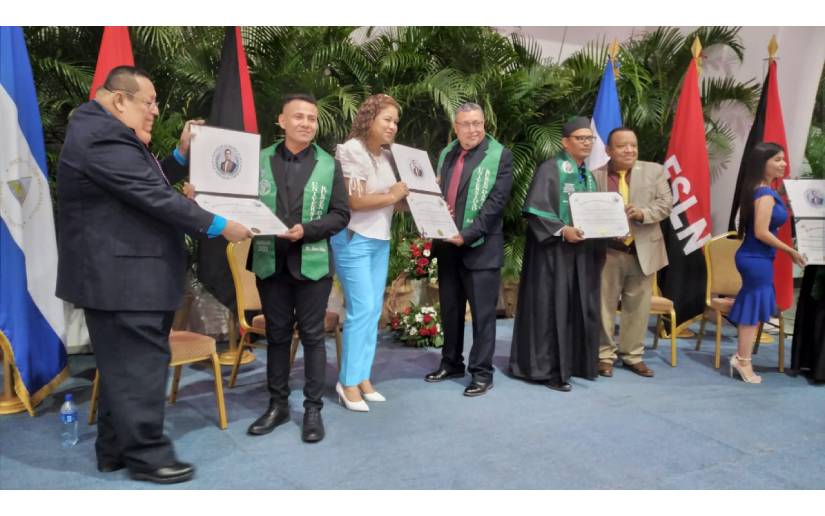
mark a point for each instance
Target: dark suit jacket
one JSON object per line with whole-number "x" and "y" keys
{"x": 490, "y": 254}
{"x": 120, "y": 224}
{"x": 289, "y": 208}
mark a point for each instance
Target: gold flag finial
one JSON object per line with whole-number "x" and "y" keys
{"x": 613, "y": 52}
{"x": 773, "y": 46}
{"x": 696, "y": 49}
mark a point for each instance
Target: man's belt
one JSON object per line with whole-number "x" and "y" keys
{"x": 619, "y": 246}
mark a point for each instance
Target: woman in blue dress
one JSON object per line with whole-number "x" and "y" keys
{"x": 761, "y": 213}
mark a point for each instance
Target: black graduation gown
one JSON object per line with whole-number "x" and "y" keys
{"x": 808, "y": 351}
{"x": 558, "y": 320}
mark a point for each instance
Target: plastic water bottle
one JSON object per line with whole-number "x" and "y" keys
{"x": 68, "y": 416}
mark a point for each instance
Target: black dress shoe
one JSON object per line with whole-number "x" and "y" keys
{"x": 313, "y": 430}
{"x": 477, "y": 388}
{"x": 442, "y": 374}
{"x": 110, "y": 465}
{"x": 172, "y": 474}
{"x": 276, "y": 415}
{"x": 559, "y": 386}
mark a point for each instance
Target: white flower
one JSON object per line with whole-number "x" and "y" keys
{"x": 433, "y": 281}
{"x": 413, "y": 331}
{"x": 438, "y": 328}
{"x": 427, "y": 253}
{"x": 419, "y": 318}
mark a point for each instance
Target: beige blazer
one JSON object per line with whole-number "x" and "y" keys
{"x": 649, "y": 190}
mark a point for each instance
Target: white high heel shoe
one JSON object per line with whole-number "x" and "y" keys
{"x": 356, "y": 406}
{"x": 373, "y": 396}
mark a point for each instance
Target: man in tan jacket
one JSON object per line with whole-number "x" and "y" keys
{"x": 631, "y": 263}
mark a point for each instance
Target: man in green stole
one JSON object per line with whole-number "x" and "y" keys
{"x": 558, "y": 324}
{"x": 304, "y": 187}
{"x": 476, "y": 176}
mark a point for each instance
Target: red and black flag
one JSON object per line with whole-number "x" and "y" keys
{"x": 232, "y": 108}
{"x": 689, "y": 225}
{"x": 768, "y": 126}
{"x": 115, "y": 50}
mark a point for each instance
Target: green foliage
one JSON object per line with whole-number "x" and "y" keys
{"x": 429, "y": 70}
{"x": 815, "y": 152}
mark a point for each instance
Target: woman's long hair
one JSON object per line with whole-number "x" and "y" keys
{"x": 754, "y": 174}
{"x": 367, "y": 112}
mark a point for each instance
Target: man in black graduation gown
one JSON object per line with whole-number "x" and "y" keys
{"x": 557, "y": 326}
{"x": 304, "y": 187}
{"x": 476, "y": 176}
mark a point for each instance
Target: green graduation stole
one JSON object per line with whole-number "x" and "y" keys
{"x": 481, "y": 182}
{"x": 314, "y": 255}
{"x": 569, "y": 182}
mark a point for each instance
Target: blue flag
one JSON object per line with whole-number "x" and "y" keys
{"x": 607, "y": 115}
{"x": 31, "y": 317}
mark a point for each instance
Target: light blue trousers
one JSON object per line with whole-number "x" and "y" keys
{"x": 361, "y": 265}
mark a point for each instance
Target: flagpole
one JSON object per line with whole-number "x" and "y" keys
{"x": 773, "y": 47}
{"x": 9, "y": 402}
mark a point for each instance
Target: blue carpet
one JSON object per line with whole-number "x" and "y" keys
{"x": 690, "y": 427}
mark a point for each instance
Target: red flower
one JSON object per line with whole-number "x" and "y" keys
{"x": 420, "y": 271}
{"x": 428, "y": 318}
{"x": 422, "y": 332}
{"x": 415, "y": 251}
{"x": 423, "y": 262}
{"x": 428, "y": 246}
{"x": 395, "y": 322}
{"x": 407, "y": 310}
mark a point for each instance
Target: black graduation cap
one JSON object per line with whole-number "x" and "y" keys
{"x": 574, "y": 124}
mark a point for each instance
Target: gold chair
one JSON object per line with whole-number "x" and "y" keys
{"x": 186, "y": 348}
{"x": 247, "y": 299}
{"x": 660, "y": 306}
{"x": 723, "y": 284}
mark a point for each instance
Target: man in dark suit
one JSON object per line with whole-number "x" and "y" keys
{"x": 476, "y": 176}
{"x": 304, "y": 187}
{"x": 228, "y": 164}
{"x": 121, "y": 257}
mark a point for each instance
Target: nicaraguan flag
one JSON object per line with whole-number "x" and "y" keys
{"x": 607, "y": 115}
{"x": 31, "y": 317}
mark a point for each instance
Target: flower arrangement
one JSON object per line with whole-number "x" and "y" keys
{"x": 418, "y": 325}
{"x": 419, "y": 260}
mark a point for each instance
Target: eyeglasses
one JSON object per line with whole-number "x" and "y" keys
{"x": 148, "y": 104}
{"x": 475, "y": 124}
{"x": 584, "y": 139}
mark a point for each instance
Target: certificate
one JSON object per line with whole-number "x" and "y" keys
{"x": 224, "y": 161}
{"x": 599, "y": 214}
{"x": 414, "y": 168}
{"x": 810, "y": 240}
{"x": 807, "y": 197}
{"x": 431, "y": 216}
{"x": 248, "y": 211}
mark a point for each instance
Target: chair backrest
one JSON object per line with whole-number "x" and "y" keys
{"x": 720, "y": 258}
{"x": 246, "y": 291}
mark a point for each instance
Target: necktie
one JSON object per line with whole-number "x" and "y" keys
{"x": 455, "y": 178}
{"x": 624, "y": 191}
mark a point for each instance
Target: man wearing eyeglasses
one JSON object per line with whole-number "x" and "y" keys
{"x": 476, "y": 175}
{"x": 121, "y": 257}
{"x": 631, "y": 262}
{"x": 557, "y": 327}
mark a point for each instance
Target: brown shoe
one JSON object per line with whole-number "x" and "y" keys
{"x": 641, "y": 369}
{"x": 606, "y": 369}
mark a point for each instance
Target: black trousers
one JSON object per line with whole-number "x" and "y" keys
{"x": 132, "y": 352}
{"x": 284, "y": 300}
{"x": 456, "y": 286}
